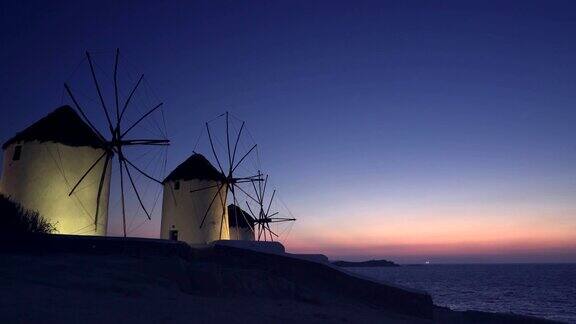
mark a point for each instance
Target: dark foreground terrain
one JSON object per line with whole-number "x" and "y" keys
{"x": 49, "y": 279}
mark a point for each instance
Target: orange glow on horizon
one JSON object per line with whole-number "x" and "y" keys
{"x": 439, "y": 235}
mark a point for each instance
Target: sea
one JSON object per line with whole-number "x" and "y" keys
{"x": 542, "y": 290}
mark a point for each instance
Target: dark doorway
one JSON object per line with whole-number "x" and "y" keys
{"x": 173, "y": 235}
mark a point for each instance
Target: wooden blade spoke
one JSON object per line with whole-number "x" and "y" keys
{"x": 122, "y": 197}
{"x": 248, "y": 180}
{"x": 99, "y": 92}
{"x": 260, "y": 186}
{"x": 260, "y": 230}
{"x": 242, "y": 213}
{"x": 281, "y": 220}
{"x": 256, "y": 191}
{"x": 213, "y": 150}
{"x": 256, "y": 178}
{"x": 135, "y": 189}
{"x": 86, "y": 173}
{"x": 148, "y": 144}
{"x": 116, "y": 88}
{"x": 83, "y": 114}
{"x": 160, "y": 142}
{"x": 253, "y": 177}
{"x": 130, "y": 98}
{"x": 204, "y": 188}
{"x": 142, "y": 172}
{"x": 210, "y": 206}
{"x": 263, "y": 192}
{"x": 235, "y": 210}
{"x": 222, "y": 216}
{"x": 273, "y": 214}
{"x": 140, "y": 119}
{"x": 246, "y": 193}
{"x": 270, "y": 230}
{"x": 236, "y": 144}
{"x": 270, "y": 203}
{"x": 100, "y": 186}
{"x": 228, "y": 145}
{"x": 245, "y": 155}
{"x": 251, "y": 212}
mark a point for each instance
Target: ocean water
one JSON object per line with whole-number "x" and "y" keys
{"x": 543, "y": 290}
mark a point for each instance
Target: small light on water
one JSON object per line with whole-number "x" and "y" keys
{"x": 427, "y": 262}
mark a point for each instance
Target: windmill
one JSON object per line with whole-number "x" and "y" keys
{"x": 230, "y": 165}
{"x": 197, "y": 191}
{"x": 119, "y": 137}
{"x": 264, "y": 217}
{"x": 241, "y": 225}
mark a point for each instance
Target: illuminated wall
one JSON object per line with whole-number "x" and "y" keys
{"x": 44, "y": 175}
{"x": 182, "y": 211}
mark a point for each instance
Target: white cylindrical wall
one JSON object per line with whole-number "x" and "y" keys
{"x": 183, "y": 211}
{"x": 44, "y": 176}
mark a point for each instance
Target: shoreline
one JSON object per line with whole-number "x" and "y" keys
{"x": 54, "y": 278}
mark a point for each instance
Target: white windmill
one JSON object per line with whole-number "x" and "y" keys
{"x": 61, "y": 166}
{"x": 196, "y": 193}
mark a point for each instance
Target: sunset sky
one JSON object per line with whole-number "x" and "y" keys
{"x": 435, "y": 131}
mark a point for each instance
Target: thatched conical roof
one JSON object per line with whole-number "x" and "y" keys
{"x": 195, "y": 167}
{"x": 243, "y": 221}
{"x": 64, "y": 126}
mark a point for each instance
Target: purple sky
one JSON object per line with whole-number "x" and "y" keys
{"x": 436, "y": 130}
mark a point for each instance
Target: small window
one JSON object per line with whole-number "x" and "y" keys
{"x": 177, "y": 185}
{"x": 17, "y": 153}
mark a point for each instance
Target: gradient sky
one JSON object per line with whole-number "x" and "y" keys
{"x": 435, "y": 130}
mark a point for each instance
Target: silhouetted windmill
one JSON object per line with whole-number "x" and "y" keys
{"x": 229, "y": 166}
{"x": 118, "y": 138}
{"x": 264, "y": 218}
